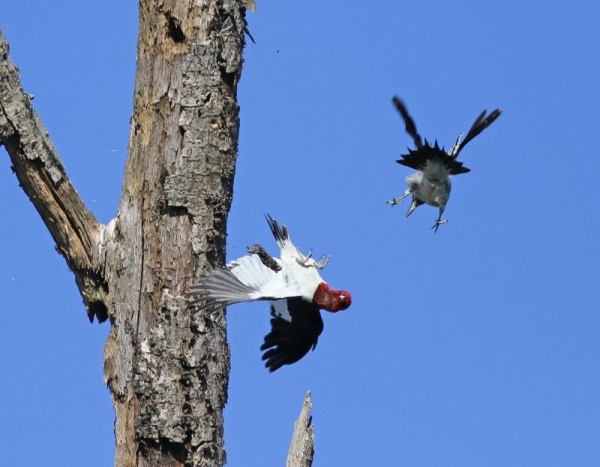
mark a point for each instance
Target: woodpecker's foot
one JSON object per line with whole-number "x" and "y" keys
{"x": 323, "y": 261}
{"x": 437, "y": 224}
{"x": 265, "y": 257}
{"x": 308, "y": 261}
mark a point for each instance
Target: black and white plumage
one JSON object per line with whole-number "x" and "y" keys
{"x": 431, "y": 183}
{"x": 295, "y": 329}
{"x": 291, "y": 283}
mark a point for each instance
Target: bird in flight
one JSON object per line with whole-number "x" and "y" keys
{"x": 293, "y": 286}
{"x": 431, "y": 183}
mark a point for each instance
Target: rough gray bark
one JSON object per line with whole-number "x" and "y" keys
{"x": 167, "y": 369}
{"x": 302, "y": 447}
{"x": 42, "y": 176}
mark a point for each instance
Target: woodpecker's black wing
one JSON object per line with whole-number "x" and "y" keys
{"x": 480, "y": 124}
{"x": 409, "y": 123}
{"x": 295, "y": 329}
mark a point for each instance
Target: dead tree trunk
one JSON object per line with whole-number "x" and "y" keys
{"x": 167, "y": 369}
{"x": 302, "y": 447}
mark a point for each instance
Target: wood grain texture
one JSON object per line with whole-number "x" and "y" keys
{"x": 167, "y": 368}
{"x": 302, "y": 447}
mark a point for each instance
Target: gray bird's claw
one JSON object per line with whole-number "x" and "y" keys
{"x": 437, "y": 224}
{"x": 395, "y": 201}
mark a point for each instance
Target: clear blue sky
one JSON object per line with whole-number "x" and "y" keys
{"x": 476, "y": 346}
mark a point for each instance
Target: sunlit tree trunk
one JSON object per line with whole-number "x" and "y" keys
{"x": 167, "y": 369}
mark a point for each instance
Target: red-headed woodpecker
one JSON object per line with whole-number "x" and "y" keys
{"x": 291, "y": 283}
{"x": 431, "y": 184}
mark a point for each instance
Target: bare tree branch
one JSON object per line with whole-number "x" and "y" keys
{"x": 41, "y": 174}
{"x": 302, "y": 448}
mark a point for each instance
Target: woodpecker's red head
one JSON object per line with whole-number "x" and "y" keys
{"x": 331, "y": 300}
{"x": 345, "y": 299}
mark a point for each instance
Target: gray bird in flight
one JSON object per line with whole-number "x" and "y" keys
{"x": 431, "y": 183}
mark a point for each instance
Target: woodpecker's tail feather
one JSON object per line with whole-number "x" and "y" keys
{"x": 279, "y": 232}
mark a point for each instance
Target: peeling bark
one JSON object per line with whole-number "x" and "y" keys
{"x": 302, "y": 447}
{"x": 167, "y": 370}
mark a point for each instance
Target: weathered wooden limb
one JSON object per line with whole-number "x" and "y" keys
{"x": 78, "y": 235}
{"x": 302, "y": 447}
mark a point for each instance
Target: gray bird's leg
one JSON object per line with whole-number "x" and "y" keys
{"x": 439, "y": 221}
{"x": 414, "y": 205}
{"x": 395, "y": 201}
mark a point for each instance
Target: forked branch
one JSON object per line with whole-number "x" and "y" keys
{"x": 42, "y": 176}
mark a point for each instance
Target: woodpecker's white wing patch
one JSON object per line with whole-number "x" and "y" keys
{"x": 251, "y": 272}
